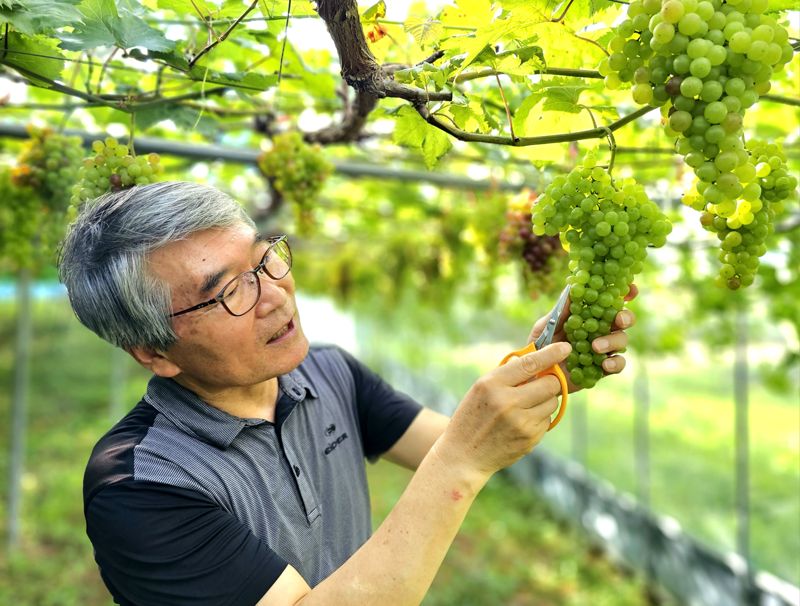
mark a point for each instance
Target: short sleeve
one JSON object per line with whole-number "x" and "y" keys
{"x": 384, "y": 413}
{"x": 162, "y": 545}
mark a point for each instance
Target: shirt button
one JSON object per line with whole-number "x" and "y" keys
{"x": 297, "y": 471}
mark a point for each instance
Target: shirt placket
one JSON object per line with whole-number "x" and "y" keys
{"x": 307, "y": 494}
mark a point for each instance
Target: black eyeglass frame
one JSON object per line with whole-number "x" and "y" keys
{"x": 262, "y": 266}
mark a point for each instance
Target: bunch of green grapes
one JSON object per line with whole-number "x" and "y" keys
{"x": 743, "y": 235}
{"x": 112, "y": 168}
{"x": 49, "y": 163}
{"x": 704, "y": 62}
{"x": 25, "y": 225}
{"x": 542, "y": 255}
{"x": 607, "y": 228}
{"x": 297, "y": 172}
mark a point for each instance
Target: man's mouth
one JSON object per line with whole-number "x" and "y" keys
{"x": 288, "y": 328}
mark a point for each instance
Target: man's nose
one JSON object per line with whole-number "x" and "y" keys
{"x": 274, "y": 293}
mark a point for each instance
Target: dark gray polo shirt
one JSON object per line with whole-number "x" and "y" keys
{"x": 186, "y": 504}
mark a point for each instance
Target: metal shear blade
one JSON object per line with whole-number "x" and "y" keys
{"x": 552, "y": 320}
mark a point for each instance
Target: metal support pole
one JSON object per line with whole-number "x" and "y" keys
{"x": 19, "y": 403}
{"x": 740, "y": 394}
{"x": 578, "y": 426}
{"x": 641, "y": 448}
{"x": 641, "y": 436}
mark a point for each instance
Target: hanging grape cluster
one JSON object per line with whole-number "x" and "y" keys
{"x": 742, "y": 247}
{"x": 20, "y": 221}
{"x": 705, "y": 62}
{"x": 49, "y": 164}
{"x": 608, "y": 228}
{"x": 541, "y": 254}
{"x": 297, "y": 172}
{"x": 113, "y": 167}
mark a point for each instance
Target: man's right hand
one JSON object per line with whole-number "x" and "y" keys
{"x": 505, "y": 413}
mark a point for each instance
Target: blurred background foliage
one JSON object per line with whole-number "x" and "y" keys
{"x": 432, "y": 274}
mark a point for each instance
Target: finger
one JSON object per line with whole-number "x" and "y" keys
{"x": 632, "y": 292}
{"x": 538, "y": 393}
{"x": 539, "y": 325}
{"x": 613, "y": 364}
{"x": 522, "y": 369}
{"x": 625, "y": 319}
{"x": 537, "y": 329}
{"x": 610, "y": 343}
{"x": 541, "y": 412}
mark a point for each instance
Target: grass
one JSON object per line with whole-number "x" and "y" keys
{"x": 510, "y": 550}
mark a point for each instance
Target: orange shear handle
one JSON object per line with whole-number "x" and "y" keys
{"x": 553, "y": 370}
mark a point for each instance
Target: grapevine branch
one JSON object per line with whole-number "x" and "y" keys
{"x": 549, "y": 71}
{"x": 593, "y": 133}
{"x": 371, "y": 82}
{"x": 359, "y": 68}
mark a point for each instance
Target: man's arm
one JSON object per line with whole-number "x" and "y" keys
{"x": 503, "y": 416}
{"x": 418, "y": 439}
{"x": 426, "y": 428}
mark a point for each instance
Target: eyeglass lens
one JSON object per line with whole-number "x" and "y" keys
{"x": 242, "y": 293}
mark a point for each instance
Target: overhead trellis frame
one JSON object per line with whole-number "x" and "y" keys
{"x": 238, "y": 155}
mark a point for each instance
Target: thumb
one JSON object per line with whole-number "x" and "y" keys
{"x": 522, "y": 369}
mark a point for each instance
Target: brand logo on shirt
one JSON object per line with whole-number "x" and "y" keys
{"x": 330, "y": 429}
{"x": 332, "y": 446}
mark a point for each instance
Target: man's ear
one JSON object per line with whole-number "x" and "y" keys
{"x": 155, "y": 361}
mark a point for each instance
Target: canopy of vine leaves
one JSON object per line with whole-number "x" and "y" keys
{"x": 498, "y": 93}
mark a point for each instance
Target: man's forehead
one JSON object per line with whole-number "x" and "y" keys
{"x": 187, "y": 263}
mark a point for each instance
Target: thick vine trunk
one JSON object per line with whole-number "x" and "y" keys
{"x": 359, "y": 67}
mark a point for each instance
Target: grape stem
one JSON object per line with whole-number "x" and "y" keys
{"x": 505, "y": 103}
{"x": 612, "y": 146}
{"x": 612, "y": 142}
{"x": 563, "y": 14}
{"x": 285, "y": 38}
{"x": 225, "y": 34}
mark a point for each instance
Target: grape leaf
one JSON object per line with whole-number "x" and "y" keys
{"x": 184, "y": 117}
{"x": 133, "y": 31}
{"x": 38, "y": 16}
{"x": 185, "y": 7}
{"x": 425, "y": 31}
{"x": 435, "y": 145}
{"x": 409, "y": 128}
{"x": 469, "y": 117}
{"x": 412, "y": 131}
{"x": 174, "y": 59}
{"x": 103, "y": 25}
{"x": 781, "y": 5}
{"x": 245, "y": 80}
{"x": 564, "y": 98}
{"x": 374, "y": 12}
{"x": 34, "y": 56}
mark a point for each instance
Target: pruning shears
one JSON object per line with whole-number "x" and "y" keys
{"x": 545, "y": 339}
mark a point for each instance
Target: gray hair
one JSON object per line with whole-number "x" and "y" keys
{"x": 103, "y": 258}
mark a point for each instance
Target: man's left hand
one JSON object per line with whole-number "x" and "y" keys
{"x": 609, "y": 344}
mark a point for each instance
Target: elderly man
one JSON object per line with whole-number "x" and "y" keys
{"x": 239, "y": 478}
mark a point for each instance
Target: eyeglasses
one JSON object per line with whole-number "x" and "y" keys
{"x": 241, "y": 294}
